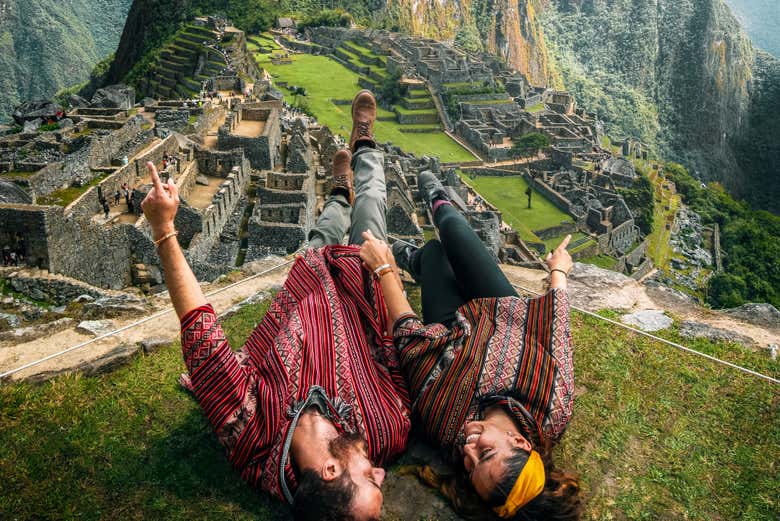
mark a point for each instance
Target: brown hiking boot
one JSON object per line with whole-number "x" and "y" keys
{"x": 342, "y": 175}
{"x": 363, "y": 117}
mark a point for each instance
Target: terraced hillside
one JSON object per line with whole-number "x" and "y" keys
{"x": 331, "y": 81}
{"x": 180, "y": 67}
{"x": 462, "y": 94}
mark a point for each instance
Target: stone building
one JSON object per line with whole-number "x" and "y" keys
{"x": 255, "y": 128}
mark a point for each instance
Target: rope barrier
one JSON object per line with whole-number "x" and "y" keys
{"x": 645, "y": 333}
{"x": 242, "y": 281}
{"x": 139, "y": 322}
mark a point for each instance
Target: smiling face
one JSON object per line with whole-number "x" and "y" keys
{"x": 485, "y": 451}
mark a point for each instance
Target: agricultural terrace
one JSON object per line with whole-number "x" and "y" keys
{"x": 330, "y": 85}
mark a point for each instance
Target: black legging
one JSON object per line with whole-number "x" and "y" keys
{"x": 455, "y": 270}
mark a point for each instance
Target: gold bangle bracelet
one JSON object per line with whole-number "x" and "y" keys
{"x": 165, "y": 237}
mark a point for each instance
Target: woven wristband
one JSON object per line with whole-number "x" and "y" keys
{"x": 565, "y": 274}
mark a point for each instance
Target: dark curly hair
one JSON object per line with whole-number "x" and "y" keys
{"x": 320, "y": 500}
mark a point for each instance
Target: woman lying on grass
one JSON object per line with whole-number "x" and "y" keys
{"x": 490, "y": 373}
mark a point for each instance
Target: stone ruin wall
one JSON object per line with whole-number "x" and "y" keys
{"x": 262, "y": 151}
{"x": 223, "y": 204}
{"x": 101, "y": 256}
{"x": 96, "y": 151}
{"x": 88, "y": 204}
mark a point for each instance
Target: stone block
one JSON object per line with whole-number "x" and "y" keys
{"x": 28, "y": 333}
{"x": 691, "y": 329}
{"x": 117, "y": 357}
{"x": 649, "y": 320}
{"x": 95, "y": 327}
{"x": 114, "y": 97}
{"x": 154, "y": 343}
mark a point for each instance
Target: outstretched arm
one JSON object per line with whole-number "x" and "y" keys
{"x": 160, "y": 206}
{"x": 221, "y": 381}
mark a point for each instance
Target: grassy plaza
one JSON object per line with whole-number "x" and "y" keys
{"x": 326, "y": 80}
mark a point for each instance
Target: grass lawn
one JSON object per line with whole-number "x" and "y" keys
{"x": 66, "y": 196}
{"x": 326, "y": 79}
{"x": 658, "y": 247}
{"x": 656, "y": 434}
{"x": 538, "y": 107}
{"x": 602, "y": 261}
{"x": 508, "y": 195}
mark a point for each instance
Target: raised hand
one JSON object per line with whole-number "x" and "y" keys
{"x": 559, "y": 262}
{"x": 160, "y": 204}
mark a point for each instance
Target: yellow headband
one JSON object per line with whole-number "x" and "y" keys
{"x": 529, "y": 484}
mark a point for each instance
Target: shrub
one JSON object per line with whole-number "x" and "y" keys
{"x": 392, "y": 90}
{"x": 49, "y": 127}
{"x": 530, "y": 144}
{"x": 328, "y": 18}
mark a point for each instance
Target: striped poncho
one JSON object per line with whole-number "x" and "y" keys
{"x": 322, "y": 343}
{"x": 499, "y": 350}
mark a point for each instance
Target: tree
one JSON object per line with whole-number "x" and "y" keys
{"x": 468, "y": 39}
{"x": 392, "y": 90}
{"x": 530, "y": 144}
{"x": 641, "y": 200}
{"x": 328, "y": 18}
{"x": 726, "y": 291}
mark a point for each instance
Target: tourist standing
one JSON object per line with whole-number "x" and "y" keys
{"x": 106, "y": 209}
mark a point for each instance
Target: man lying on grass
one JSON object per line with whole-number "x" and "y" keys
{"x": 315, "y": 398}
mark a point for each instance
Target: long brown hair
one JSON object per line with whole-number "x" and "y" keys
{"x": 559, "y": 501}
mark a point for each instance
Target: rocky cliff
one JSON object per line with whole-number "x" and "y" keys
{"x": 680, "y": 74}
{"x": 46, "y": 45}
{"x": 509, "y": 29}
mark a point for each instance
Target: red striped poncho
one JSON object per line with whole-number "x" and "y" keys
{"x": 324, "y": 335}
{"x": 500, "y": 351}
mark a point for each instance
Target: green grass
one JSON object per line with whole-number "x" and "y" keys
{"x": 508, "y": 195}
{"x": 658, "y": 247}
{"x": 538, "y": 107}
{"x": 656, "y": 434}
{"x": 400, "y": 109}
{"x": 325, "y": 79}
{"x": 555, "y": 241}
{"x": 66, "y": 196}
{"x": 602, "y": 261}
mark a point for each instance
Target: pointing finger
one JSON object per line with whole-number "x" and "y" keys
{"x": 155, "y": 178}
{"x": 565, "y": 243}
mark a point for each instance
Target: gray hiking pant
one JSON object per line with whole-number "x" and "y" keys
{"x": 338, "y": 216}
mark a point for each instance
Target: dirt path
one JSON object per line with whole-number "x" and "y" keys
{"x": 166, "y": 325}
{"x": 615, "y": 292}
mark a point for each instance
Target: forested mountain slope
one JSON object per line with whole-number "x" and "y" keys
{"x": 46, "y": 45}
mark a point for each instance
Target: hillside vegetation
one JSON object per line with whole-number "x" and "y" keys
{"x": 656, "y": 434}
{"x": 47, "y": 45}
